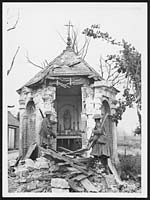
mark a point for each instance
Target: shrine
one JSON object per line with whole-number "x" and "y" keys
{"x": 74, "y": 92}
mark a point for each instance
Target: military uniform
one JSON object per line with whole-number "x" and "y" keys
{"x": 101, "y": 143}
{"x": 46, "y": 131}
{"x": 100, "y": 147}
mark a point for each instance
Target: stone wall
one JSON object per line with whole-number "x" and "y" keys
{"x": 30, "y": 124}
{"x": 44, "y": 98}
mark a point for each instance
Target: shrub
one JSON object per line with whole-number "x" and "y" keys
{"x": 130, "y": 166}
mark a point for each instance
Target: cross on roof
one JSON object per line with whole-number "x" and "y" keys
{"x": 69, "y": 25}
{"x": 68, "y": 38}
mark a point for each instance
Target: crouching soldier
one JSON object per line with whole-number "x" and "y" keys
{"x": 100, "y": 144}
{"x": 46, "y": 131}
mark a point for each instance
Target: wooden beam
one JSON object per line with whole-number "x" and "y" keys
{"x": 30, "y": 150}
{"x": 114, "y": 172}
{"x": 88, "y": 185}
{"x": 57, "y": 155}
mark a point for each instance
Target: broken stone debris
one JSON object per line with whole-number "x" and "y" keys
{"x": 41, "y": 163}
{"x": 60, "y": 173}
{"x": 21, "y": 171}
{"x": 59, "y": 183}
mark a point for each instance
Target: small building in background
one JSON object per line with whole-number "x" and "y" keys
{"x": 13, "y": 132}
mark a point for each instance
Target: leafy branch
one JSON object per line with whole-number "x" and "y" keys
{"x": 125, "y": 65}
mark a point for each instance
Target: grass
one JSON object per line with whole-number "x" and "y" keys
{"x": 129, "y": 145}
{"x": 129, "y": 153}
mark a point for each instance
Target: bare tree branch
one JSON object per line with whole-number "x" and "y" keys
{"x": 118, "y": 76}
{"x": 112, "y": 74}
{"x": 83, "y": 47}
{"x": 101, "y": 67}
{"x": 115, "y": 77}
{"x": 119, "y": 80}
{"x": 75, "y": 44}
{"x": 74, "y": 41}
{"x": 10, "y": 106}
{"x": 61, "y": 37}
{"x": 86, "y": 49}
{"x": 14, "y": 26}
{"x": 46, "y": 62}
{"x": 12, "y": 63}
{"x": 33, "y": 63}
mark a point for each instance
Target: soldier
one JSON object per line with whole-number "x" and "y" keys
{"x": 46, "y": 131}
{"x": 100, "y": 147}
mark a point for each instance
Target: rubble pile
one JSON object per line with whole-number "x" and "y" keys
{"x": 58, "y": 172}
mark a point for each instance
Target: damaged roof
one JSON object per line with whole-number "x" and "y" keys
{"x": 68, "y": 63}
{"x": 12, "y": 120}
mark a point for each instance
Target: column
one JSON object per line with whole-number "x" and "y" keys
{"x": 114, "y": 134}
{"x": 49, "y": 95}
{"x": 21, "y": 126}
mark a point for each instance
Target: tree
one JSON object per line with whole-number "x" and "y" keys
{"x": 109, "y": 72}
{"x": 79, "y": 49}
{"x": 11, "y": 26}
{"x": 127, "y": 63}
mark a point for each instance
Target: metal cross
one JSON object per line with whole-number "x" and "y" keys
{"x": 69, "y": 25}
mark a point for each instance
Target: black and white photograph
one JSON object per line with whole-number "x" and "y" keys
{"x": 74, "y": 99}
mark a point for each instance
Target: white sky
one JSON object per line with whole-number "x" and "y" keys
{"x": 36, "y": 33}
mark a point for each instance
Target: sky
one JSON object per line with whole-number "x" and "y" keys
{"x": 37, "y": 34}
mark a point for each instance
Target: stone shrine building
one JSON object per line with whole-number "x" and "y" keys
{"x": 74, "y": 92}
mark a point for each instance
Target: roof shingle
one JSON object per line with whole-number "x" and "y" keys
{"x": 68, "y": 63}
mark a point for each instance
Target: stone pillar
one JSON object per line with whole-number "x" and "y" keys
{"x": 98, "y": 105}
{"x": 24, "y": 97}
{"x": 39, "y": 105}
{"x": 114, "y": 135}
{"x": 83, "y": 91}
{"x": 83, "y": 129}
{"x": 87, "y": 111}
{"x": 49, "y": 96}
{"x": 21, "y": 127}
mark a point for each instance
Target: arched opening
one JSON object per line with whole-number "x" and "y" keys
{"x": 108, "y": 124}
{"x": 30, "y": 108}
{"x": 29, "y": 117}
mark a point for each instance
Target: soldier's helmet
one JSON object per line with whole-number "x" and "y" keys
{"x": 48, "y": 113}
{"x": 97, "y": 116}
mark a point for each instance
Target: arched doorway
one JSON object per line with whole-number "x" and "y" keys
{"x": 29, "y": 135}
{"x": 108, "y": 124}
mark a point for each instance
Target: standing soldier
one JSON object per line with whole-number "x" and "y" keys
{"x": 100, "y": 147}
{"x": 46, "y": 131}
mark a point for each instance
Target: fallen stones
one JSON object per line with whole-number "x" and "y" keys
{"x": 21, "y": 171}
{"x": 59, "y": 183}
{"x": 32, "y": 186}
{"x": 41, "y": 163}
{"x": 11, "y": 163}
{"x": 58, "y": 174}
{"x": 110, "y": 180}
{"x": 29, "y": 164}
{"x": 21, "y": 188}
